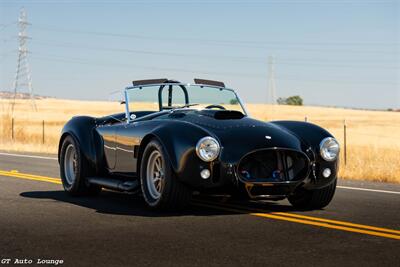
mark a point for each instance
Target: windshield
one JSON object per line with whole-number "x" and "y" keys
{"x": 172, "y": 96}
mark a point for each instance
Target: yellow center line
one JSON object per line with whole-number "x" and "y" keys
{"x": 362, "y": 226}
{"x": 30, "y": 177}
{"x": 296, "y": 218}
{"x": 301, "y": 221}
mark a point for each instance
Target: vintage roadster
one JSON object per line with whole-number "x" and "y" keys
{"x": 175, "y": 138}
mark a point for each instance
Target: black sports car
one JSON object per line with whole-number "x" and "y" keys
{"x": 176, "y": 138}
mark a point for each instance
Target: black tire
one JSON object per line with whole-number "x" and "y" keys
{"x": 76, "y": 186}
{"x": 313, "y": 199}
{"x": 173, "y": 195}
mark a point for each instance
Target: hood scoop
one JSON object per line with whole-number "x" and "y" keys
{"x": 223, "y": 114}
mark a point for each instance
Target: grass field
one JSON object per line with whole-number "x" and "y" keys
{"x": 373, "y": 137}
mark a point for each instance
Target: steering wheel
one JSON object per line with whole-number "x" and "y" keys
{"x": 215, "y": 106}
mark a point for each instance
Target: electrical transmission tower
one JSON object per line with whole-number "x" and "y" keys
{"x": 271, "y": 81}
{"x": 23, "y": 78}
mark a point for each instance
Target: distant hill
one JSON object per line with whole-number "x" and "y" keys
{"x": 10, "y": 95}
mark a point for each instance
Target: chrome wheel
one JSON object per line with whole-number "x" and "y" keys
{"x": 155, "y": 174}
{"x": 70, "y": 164}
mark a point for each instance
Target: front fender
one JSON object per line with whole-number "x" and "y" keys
{"x": 179, "y": 140}
{"x": 309, "y": 133}
{"x": 82, "y": 130}
{"x": 312, "y": 135}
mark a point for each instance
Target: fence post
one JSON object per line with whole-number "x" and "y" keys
{"x": 42, "y": 131}
{"x": 345, "y": 141}
{"x": 305, "y": 119}
{"x": 12, "y": 128}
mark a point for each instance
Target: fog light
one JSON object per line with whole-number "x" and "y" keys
{"x": 205, "y": 174}
{"x": 326, "y": 173}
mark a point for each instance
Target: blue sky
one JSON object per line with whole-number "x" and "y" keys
{"x": 338, "y": 53}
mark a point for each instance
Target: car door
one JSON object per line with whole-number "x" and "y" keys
{"x": 127, "y": 140}
{"x": 108, "y": 133}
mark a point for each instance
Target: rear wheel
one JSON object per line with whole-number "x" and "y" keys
{"x": 313, "y": 199}
{"x": 160, "y": 188}
{"x": 74, "y": 169}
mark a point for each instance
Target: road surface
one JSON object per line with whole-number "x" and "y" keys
{"x": 38, "y": 221}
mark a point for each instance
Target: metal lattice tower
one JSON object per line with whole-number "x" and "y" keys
{"x": 23, "y": 78}
{"x": 271, "y": 81}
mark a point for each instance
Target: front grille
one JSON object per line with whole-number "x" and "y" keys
{"x": 273, "y": 165}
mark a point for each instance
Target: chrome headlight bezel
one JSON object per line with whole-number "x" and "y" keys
{"x": 329, "y": 149}
{"x": 206, "y": 145}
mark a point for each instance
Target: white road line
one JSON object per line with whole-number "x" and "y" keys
{"x": 26, "y": 156}
{"x": 369, "y": 190}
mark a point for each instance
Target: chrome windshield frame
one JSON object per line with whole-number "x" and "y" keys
{"x": 127, "y": 112}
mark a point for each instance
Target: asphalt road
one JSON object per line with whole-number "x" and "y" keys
{"x": 39, "y": 221}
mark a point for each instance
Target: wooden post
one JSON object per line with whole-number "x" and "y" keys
{"x": 345, "y": 141}
{"x": 42, "y": 131}
{"x": 305, "y": 119}
{"x": 12, "y": 128}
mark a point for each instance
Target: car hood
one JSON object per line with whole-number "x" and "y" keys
{"x": 239, "y": 135}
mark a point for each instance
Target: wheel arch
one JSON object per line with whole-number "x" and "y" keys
{"x": 177, "y": 139}
{"x": 308, "y": 132}
{"x": 62, "y": 138}
{"x": 82, "y": 130}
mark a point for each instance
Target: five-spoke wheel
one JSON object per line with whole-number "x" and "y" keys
{"x": 155, "y": 174}
{"x": 70, "y": 164}
{"x": 74, "y": 169}
{"x": 160, "y": 187}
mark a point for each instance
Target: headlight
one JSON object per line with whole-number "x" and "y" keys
{"x": 329, "y": 149}
{"x": 207, "y": 148}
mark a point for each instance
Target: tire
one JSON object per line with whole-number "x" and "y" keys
{"x": 160, "y": 187}
{"x": 313, "y": 199}
{"x": 74, "y": 169}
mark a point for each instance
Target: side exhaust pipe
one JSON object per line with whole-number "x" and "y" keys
{"x": 115, "y": 184}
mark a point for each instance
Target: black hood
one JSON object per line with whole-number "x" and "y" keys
{"x": 239, "y": 134}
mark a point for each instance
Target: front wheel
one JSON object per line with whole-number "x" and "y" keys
{"x": 160, "y": 188}
{"x": 313, "y": 199}
{"x": 74, "y": 169}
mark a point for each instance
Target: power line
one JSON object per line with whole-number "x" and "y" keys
{"x": 4, "y": 26}
{"x": 252, "y": 44}
{"x": 98, "y": 63}
{"x": 177, "y": 38}
{"x": 225, "y": 57}
{"x": 123, "y": 65}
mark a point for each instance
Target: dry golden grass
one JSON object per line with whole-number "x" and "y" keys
{"x": 373, "y": 137}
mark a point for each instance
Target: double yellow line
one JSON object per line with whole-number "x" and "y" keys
{"x": 283, "y": 216}
{"x": 308, "y": 220}
{"x": 27, "y": 176}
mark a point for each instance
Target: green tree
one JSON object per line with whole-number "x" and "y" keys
{"x": 295, "y": 100}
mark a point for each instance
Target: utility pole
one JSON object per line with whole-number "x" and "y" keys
{"x": 23, "y": 78}
{"x": 271, "y": 81}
